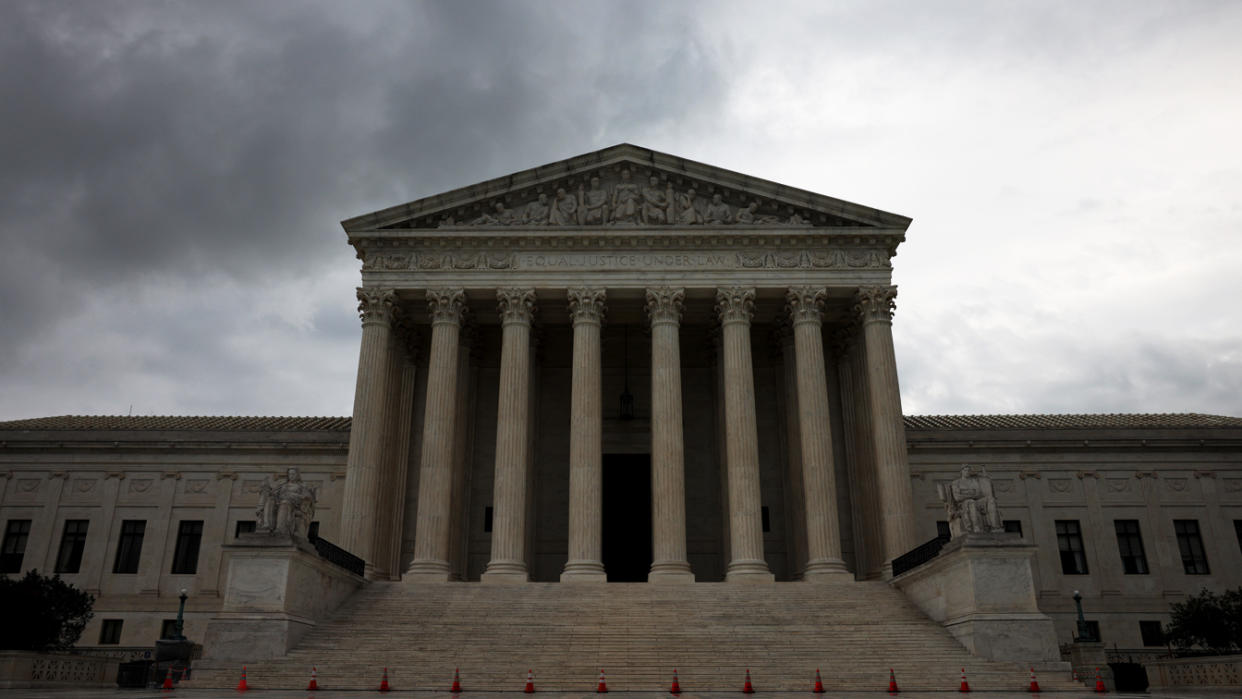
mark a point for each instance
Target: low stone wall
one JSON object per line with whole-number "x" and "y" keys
{"x": 1221, "y": 671}
{"x": 25, "y": 669}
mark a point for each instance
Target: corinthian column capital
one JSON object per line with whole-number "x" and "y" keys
{"x": 377, "y": 305}
{"x": 587, "y": 305}
{"x": 735, "y": 304}
{"x": 875, "y": 303}
{"x": 805, "y": 304}
{"x": 664, "y": 304}
{"x": 446, "y": 305}
{"x": 516, "y": 305}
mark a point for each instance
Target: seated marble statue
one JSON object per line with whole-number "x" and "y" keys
{"x": 971, "y": 504}
{"x": 286, "y": 507}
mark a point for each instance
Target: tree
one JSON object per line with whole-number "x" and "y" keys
{"x": 1208, "y": 621}
{"x": 42, "y": 614}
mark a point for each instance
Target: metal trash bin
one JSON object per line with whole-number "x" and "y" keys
{"x": 133, "y": 674}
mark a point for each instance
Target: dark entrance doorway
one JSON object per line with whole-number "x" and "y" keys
{"x": 627, "y": 517}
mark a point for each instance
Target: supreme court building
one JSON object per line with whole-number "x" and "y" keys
{"x": 626, "y": 367}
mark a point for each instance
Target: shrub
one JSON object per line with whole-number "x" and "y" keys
{"x": 41, "y": 614}
{"x": 1208, "y": 621}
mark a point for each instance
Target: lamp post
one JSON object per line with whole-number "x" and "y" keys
{"x": 1084, "y": 631}
{"x": 180, "y": 636}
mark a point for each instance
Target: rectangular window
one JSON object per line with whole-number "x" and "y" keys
{"x": 942, "y": 530}
{"x": 1237, "y": 530}
{"x": 312, "y": 532}
{"x": 1130, "y": 544}
{"x": 244, "y": 526}
{"x": 1194, "y": 559}
{"x": 16, "y": 532}
{"x": 766, "y": 517}
{"x": 1093, "y": 628}
{"x": 129, "y": 548}
{"x": 72, "y": 544}
{"x": 1013, "y": 526}
{"x": 110, "y": 632}
{"x": 1153, "y": 634}
{"x": 185, "y": 556}
{"x": 168, "y": 629}
{"x": 1069, "y": 541}
{"x": 487, "y": 519}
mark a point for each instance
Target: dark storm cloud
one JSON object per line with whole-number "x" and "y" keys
{"x": 194, "y": 141}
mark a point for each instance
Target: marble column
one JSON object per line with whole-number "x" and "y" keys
{"x": 378, "y": 309}
{"x": 586, "y": 307}
{"x": 668, "y": 477}
{"x": 874, "y": 307}
{"x": 823, "y": 530}
{"x": 508, "y": 562}
{"x": 435, "y": 478}
{"x": 735, "y": 305}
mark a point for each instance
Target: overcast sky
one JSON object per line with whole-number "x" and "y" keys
{"x": 173, "y": 174}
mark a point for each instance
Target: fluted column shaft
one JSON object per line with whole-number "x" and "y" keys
{"x": 735, "y": 306}
{"x": 874, "y": 306}
{"x": 668, "y": 477}
{"x": 585, "y": 563}
{"x": 823, "y": 530}
{"x": 377, "y": 308}
{"x": 435, "y": 478}
{"x": 508, "y": 562}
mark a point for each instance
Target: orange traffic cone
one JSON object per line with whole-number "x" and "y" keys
{"x": 1034, "y": 684}
{"x": 530, "y": 682}
{"x": 242, "y": 686}
{"x": 384, "y": 682}
{"x": 1099, "y": 683}
{"x": 965, "y": 687}
{"x": 676, "y": 688}
{"x": 456, "y": 681}
{"x": 168, "y": 685}
{"x": 892, "y": 682}
{"x": 603, "y": 686}
{"x": 819, "y": 683}
{"x": 747, "y": 688}
{"x": 1074, "y": 675}
{"x": 314, "y": 683}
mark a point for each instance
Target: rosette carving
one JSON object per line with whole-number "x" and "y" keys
{"x": 664, "y": 304}
{"x": 447, "y": 305}
{"x": 735, "y": 304}
{"x": 873, "y": 303}
{"x": 377, "y": 305}
{"x": 587, "y": 305}
{"x": 516, "y": 305}
{"x": 805, "y": 304}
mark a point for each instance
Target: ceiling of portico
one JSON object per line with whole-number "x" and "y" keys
{"x": 625, "y": 186}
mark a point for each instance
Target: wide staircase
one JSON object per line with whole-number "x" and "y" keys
{"x": 853, "y": 632}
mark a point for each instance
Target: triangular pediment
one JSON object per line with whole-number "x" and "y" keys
{"x": 625, "y": 186}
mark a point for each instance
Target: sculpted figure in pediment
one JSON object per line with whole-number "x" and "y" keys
{"x": 564, "y": 209}
{"x": 749, "y": 214}
{"x": 655, "y": 202}
{"x": 593, "y": 204}
{"x": 625, "y": 200}
{"x": 536, "y": 213}
{"x": 687, "y": 215}
{"x": 500, "y": 216}
{"x": 718, "y": 211}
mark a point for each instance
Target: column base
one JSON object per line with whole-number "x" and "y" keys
{"x": 670, "y": 572}
{"x": 749, "y": 571}
{"x": 505, "y": 573}
{"x": 827, "y": 570}
{"x": 428, "y": 571}
{"x": 584, "y": 571}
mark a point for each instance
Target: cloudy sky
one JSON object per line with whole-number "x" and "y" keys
{"x": 172, "y": 175}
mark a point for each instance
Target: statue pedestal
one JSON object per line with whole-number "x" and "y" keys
{"x": 981, "y": 588}
{"x": 278, "y": 588}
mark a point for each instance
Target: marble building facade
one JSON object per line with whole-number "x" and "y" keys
{"x": 625, "y": 366}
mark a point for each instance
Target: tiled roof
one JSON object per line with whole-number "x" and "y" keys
{"x": 1070, "y": 422}
{"x": 174, "y": 422}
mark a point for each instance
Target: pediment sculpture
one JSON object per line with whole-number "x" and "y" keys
{"x": 285, "y": 507}
{"x": 620, "y": 197}
{"x": 971, "y": 504}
